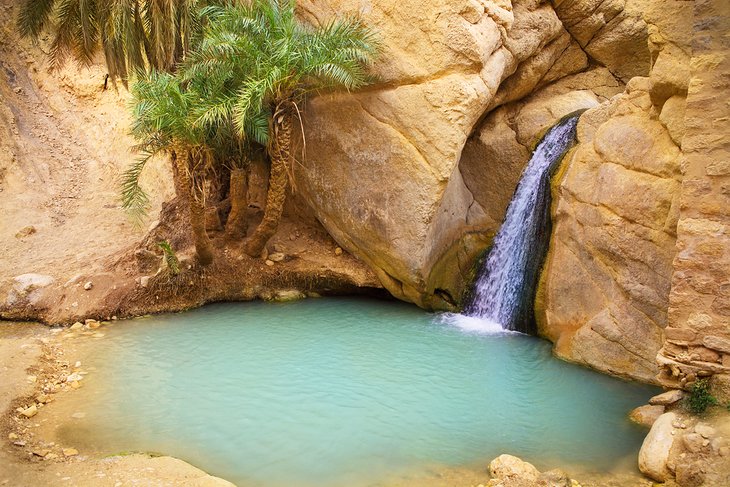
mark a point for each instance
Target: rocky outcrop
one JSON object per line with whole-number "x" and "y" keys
{"x": 680, "y": 449}
{"x": 404, "y": 205}
{"x": 698, "y": 336}
{"x": 604, "y": 293}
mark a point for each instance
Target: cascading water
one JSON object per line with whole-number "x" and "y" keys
{"x": 506, "y": 285}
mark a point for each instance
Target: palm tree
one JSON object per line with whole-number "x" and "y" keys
{"x": 161, "y": 124}
{"x": 265, "y": 62}
{"x": 134, "y": 35}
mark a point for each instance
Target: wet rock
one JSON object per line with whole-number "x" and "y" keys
{"x": 510, "y": 467}
{"x": 654, "y": 453}
{"x": 288, "y": 295}
{"x": 646, "y": 415}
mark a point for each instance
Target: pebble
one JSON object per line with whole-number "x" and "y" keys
{"x": 88, "y": 285}
{"x": 92, "y": 324}
{"x": 30, "y": 411}
{"x": 338, "y": 251}
{"x": 277, "y": 257}
{"x": 32, "y": 378}
{"x": 269, "y": 262}
{"x": 77, "y": 364}
{"x": 43, "y": 398}
{"x": 76, "y": 326}
{"x": 74, "y": 377}
{"x": 70, "y": 452}
{"x": 75, "y": 385}
{"x": 50, "y": 456}
{"x": 22, "y": 443}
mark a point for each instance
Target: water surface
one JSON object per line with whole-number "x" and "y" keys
{"x": 333, "y": 392}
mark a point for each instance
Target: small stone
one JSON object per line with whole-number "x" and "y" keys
{"x": 666, "y": 398}
{"x": 50, "y": 456}
{"x": 705, "y": 430}
{"x": 43, "y": 398}
{"x": 338, "y": 251}
{"x": 25, "y": 232}
{"x": 22, "y": 443}
{"x": 18, "y": 90}
{"x": 277, "y": 257}
{"x": 76, "y": 326}
{"x": 77, "y": 364}
{"x": 41, "y": 452}
{"x": 30, "y": 411}
{"x": 75, "y": 385}
{"x": 70, "y": 452}
{"x": 144, "y": 281}
{"x": 74, "y": 377}
{"x": 75, "y": 304}
{"x": 269, "y": 262}
{"x": 12, "y": 436}
{"x": 88, "y": 285}
{"x": 32, "y": 379}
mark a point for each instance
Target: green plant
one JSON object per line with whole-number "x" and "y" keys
{"x": 699, "y": 398}
{"x": 134, "y": 35}
{"x": 260, "y": 61}
{"x": 170, "y": 258}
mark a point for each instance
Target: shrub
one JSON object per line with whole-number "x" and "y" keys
{"x": 699, "y": 398}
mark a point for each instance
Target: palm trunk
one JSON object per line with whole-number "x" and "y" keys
{"x": 196, "y": 211}
{"x": 237, "y": 225}
{"x": 280, "y": 153}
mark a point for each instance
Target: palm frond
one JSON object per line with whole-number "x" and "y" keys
{"x": 34, "y": 17}
{"x": 134, "y": 199}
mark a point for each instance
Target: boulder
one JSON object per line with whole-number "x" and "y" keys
{"x": 510, "y": 467}
{"x": 28, "y": 286}
{"x": 646, "y": 415}
{"x": 405, "y": 205}
{"x": 667, "y": 398}
{"x": 654, "y": 453}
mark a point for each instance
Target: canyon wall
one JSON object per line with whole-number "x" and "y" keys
{"x": 698, "y": 333}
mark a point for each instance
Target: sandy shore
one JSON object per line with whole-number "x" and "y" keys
{"x": 32, "y": 360}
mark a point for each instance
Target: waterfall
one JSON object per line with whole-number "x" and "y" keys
{"x": 505, "y": 289}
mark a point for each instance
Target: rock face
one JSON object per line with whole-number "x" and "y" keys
{"x": 406, "y": 205}
{"x": 698, "y": 340}
{"x": 604, "y": 293}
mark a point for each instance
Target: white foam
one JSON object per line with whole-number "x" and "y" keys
{"x": 474, "y": 324}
